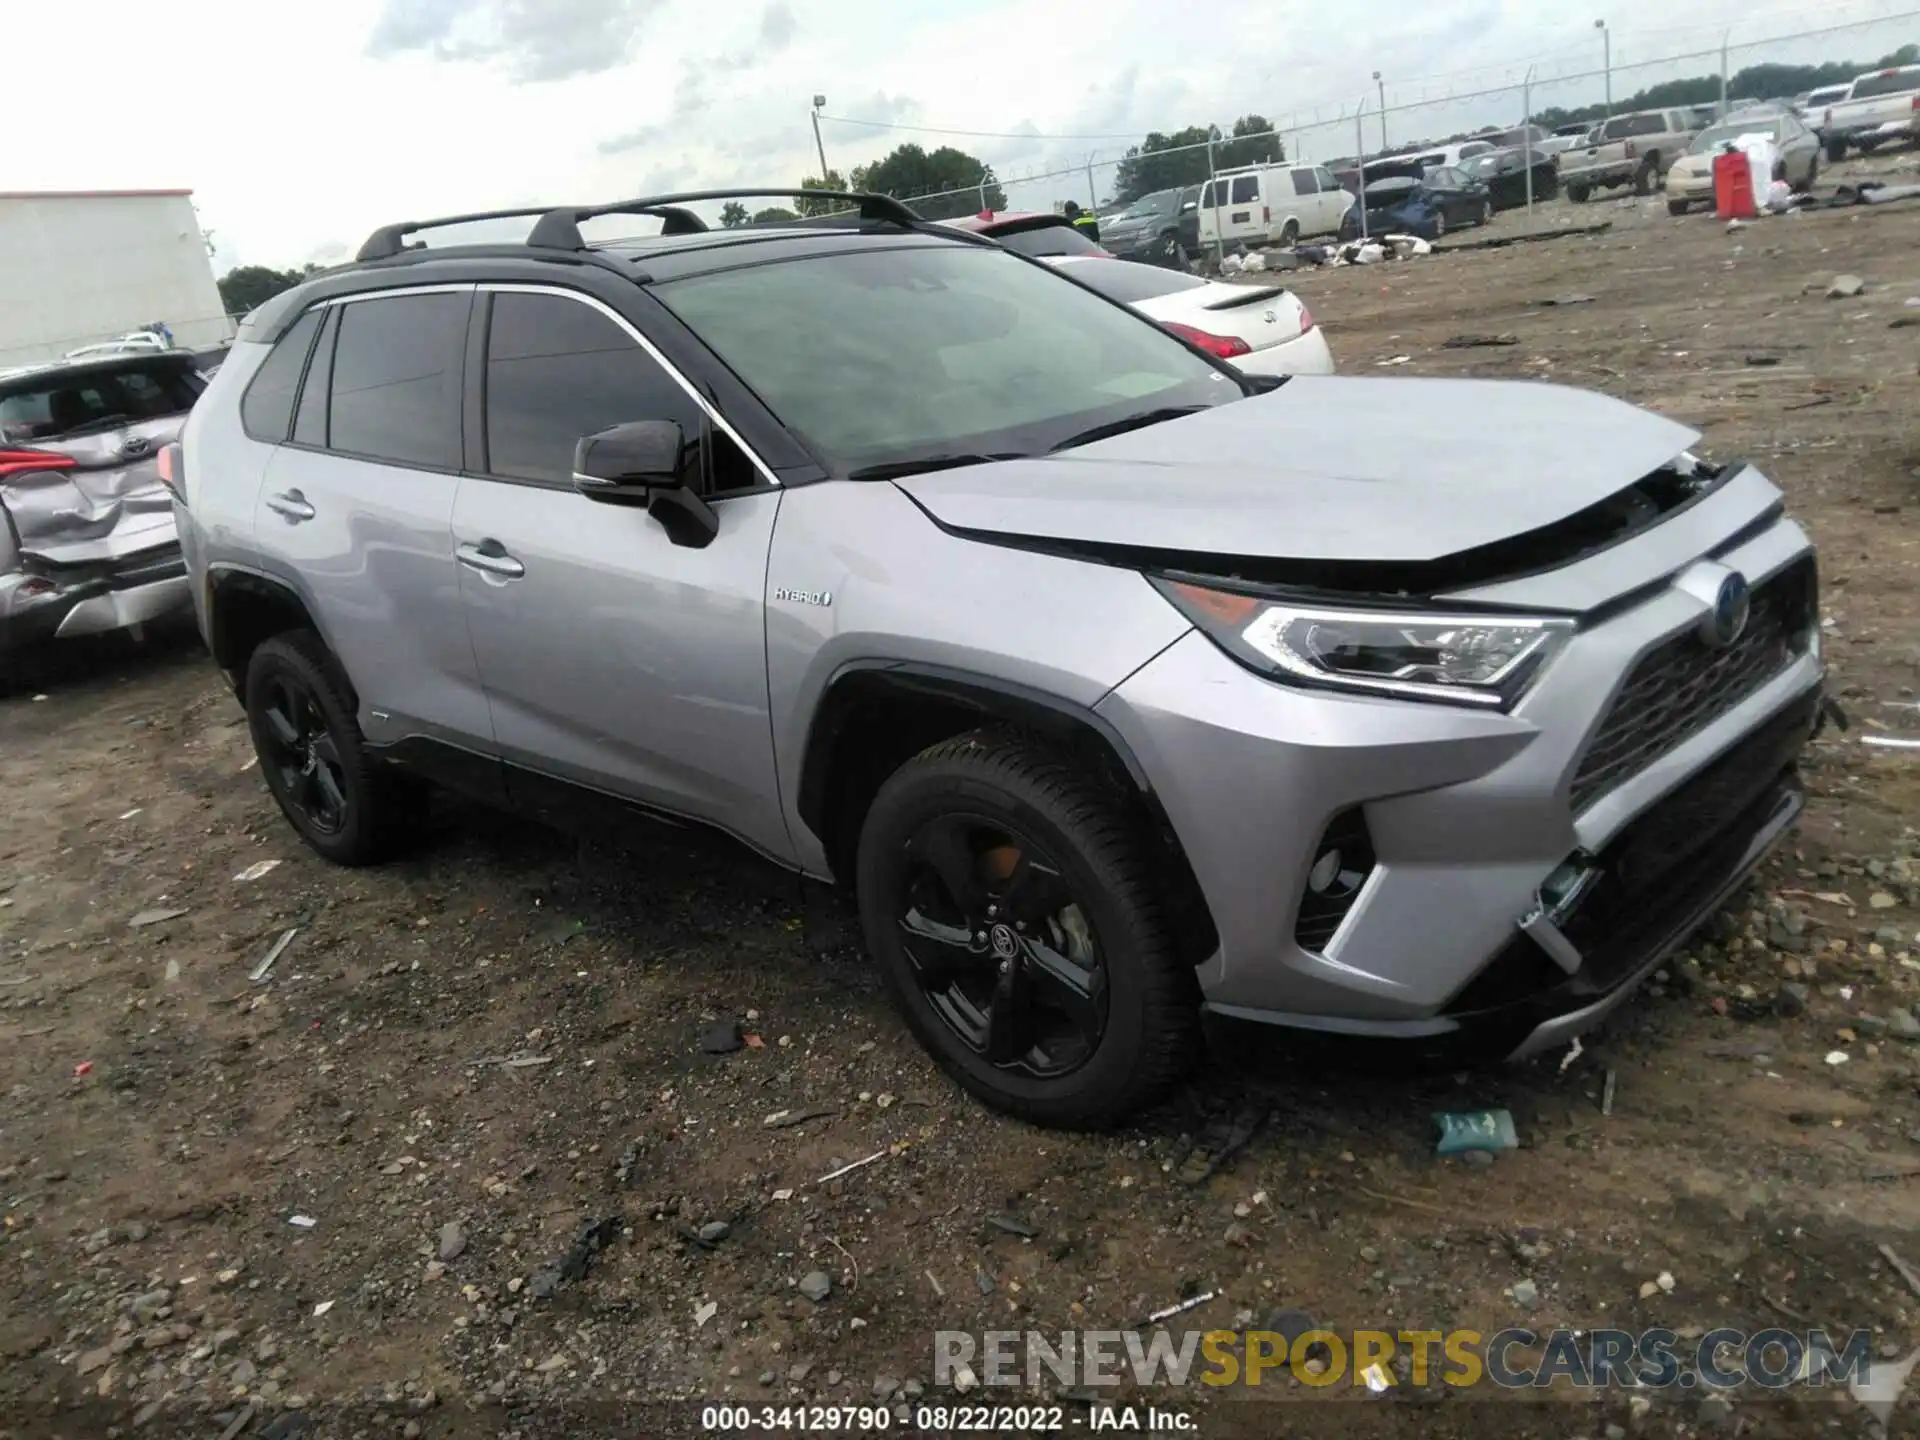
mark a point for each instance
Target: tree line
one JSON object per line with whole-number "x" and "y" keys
{"x": 1755, "y": 82}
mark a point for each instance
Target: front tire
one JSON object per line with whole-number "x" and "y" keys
{"x": 314, "y": 757}
{"x": 1677, "y": 207}
{"x": 1011, "y": 902}
{"x": 1290, "y": 233}
{"x": 1644, "y": 177}
{"x": 1836, "y": 151}
{"x": 1577, "y": 194}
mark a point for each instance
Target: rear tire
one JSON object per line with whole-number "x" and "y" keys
{"x": 1813, "y": 176}
{"x": 1644, "y": 177}
{"x": 1084, "y": 871}
{"x": 1486, "y": 212}
{"x": 1577, "y": 194}
{"x": 314, "y": 757}
{"x": 1290, "y": 233}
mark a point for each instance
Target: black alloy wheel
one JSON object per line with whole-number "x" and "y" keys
{"x": 1000, "y": 948}
{"x": 1015, "y": 904}
{"x": 302, "y": 756}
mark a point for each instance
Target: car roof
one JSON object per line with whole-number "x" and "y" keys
{"x": 685, "y": 246}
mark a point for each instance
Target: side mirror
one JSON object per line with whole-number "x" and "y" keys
{"x": 646, "y": 464}
{"x": 1189, "y": 205}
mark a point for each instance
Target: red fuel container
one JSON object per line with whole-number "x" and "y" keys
{"x": 1733, "y": 186}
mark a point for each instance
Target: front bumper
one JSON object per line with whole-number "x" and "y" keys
{"x": 1685, "y": 185}
{"x": 1468, "y": 815}
{"x": 62, "y": 603}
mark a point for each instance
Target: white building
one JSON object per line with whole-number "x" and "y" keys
{"x": 82, "y": 266}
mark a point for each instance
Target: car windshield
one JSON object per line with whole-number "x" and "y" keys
{"x": 1158, "y": 203}
{"x": 1129, "y": 283}
{"x": 1897, "y": 82}
{"x": 57, "y": 403}
{"x": 887, "y": 356}
{"x": 1708, "y": 141}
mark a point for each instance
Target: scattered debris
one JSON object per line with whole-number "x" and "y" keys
{"x": 1567, "y": 300}
{"x": 714, "y": 1231}
{"x": 1376, "y": 1378}
{"x": 816, "y": 1285}
{"x": 705, "y": 1313}
{"x": 156, "y": 917}
{"x": 131, "y": 813}
{"x": 302, "y": 1222}
{"x": 1761, "y": 362}
{"x": 322, "y": 1308}
{"x": 1879, "y": 1387}
{"x": 265, "y": 967}
{"x": 787, "y": 1119}
{"x": 1845, "y": 287}
{"x": 83, "y": 1069}
{"x": 453, "y": 1242}
{"x": 938, "y": 1290}
{"x": 849, "y": 1169}
{"x": 1395, "y": 360}
{"x": 1478, "y": 342}
{"x": 1606, "y": 1095}
{"x": 594, "y": 1237}
{"x": 259, "y": 870}
{"x": 1899, "y": 1263}
{"x": 1012, "y": 1225}
{"x": 1838, "y": 1057}
{"x": 1185, "y": 1305}
{"x": 1573, "y": 1053}
{"x": 1500, "y": 242}
{"x": 1890, "y": 742}
{"x": 1474, "y": 1130}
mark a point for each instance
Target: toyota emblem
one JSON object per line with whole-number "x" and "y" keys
{"x": 135, "y": 447}
{"x": 1004, "y": 945}
{"x": 1731, "y": 606}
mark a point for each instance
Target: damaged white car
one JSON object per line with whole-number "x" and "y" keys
{"x": 87, "y": 539}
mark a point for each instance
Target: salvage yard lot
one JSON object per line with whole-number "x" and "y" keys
{"x": 483, "y": 1048}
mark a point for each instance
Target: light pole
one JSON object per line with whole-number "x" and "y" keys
{"x": 1382, "y": 85}
{"x": 819, "y": 103}
{"x": 1606, "y": 61}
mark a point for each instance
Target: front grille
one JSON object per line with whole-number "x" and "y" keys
{"x": 1680, "y": 688}
{"x": 1656, "y": 872}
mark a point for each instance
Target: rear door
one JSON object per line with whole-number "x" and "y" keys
{"x": 1246, "y": 211}
{"x": 1334, "y": 200}
{"x": 356, "y": 510}
{"x": 614, "y": 659}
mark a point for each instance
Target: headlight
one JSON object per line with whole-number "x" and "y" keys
{"x": 1487, "y": 661}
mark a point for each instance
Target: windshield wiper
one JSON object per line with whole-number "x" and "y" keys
{"x": 896, "y": 469}
{"x": 1127, "y": 422}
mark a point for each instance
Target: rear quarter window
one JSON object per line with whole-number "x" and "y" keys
{"x": 266, "y": 410}
{"x": 1897, "y": 83}
{"x": 1246, "y": 189}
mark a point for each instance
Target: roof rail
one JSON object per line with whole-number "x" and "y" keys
{"x": 560, "y": 229}
{"x": 390, "y": 240}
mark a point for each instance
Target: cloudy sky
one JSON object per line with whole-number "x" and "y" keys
{"x": 300, "y": 125}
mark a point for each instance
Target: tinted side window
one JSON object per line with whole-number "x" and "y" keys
{"x": 310, "y": 424}
{"x": 396, "y": 379}
{"x": 1645, "y": 124}
{"x": 1325, "y": 177}
{"x": 1245, "y": 188}
{"x": 1211, "y": 195}
{"x": 1303, "y": 183}
{"x": 267, "y": 407}
{"x": 558, "y": 369}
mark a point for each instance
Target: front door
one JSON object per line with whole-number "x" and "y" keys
{"x": 613, "y": 658}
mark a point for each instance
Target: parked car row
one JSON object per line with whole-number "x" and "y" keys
{"x": 1134, "y": 696}
{"x": 1797, "y": 156}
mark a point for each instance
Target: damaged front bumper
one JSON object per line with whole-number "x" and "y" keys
{"x": 52, "y": 602}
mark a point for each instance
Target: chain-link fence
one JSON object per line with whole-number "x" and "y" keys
{"x": 1602, "y": 76}
{"x": 190, "y": 333}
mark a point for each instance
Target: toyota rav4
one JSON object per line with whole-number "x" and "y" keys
{"x": 1129, "y": 694}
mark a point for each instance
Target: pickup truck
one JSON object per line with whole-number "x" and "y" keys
{"x": 1631, "y": 149}
{"x": 1880, "y": 109}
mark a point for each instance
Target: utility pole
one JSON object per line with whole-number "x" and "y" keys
{"x": 819, "y": 103}
{"x": 1383, "y": 110}
{"x": 1360, "y": 160}
{"x": 1526, "y": 137}
{"x": 1723, "y": 70}
{"x": 1093, "y": 200}
{"x": 1606, "y": 61}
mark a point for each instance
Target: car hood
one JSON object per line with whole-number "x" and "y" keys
{"x": 1325, "y": 468}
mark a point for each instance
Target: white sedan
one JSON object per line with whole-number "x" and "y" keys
{"x": 1261, "y": 329}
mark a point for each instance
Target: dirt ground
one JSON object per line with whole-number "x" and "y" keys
{"x": 226, "y": 1202}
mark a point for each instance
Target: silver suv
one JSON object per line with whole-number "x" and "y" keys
{"x": 1127, "y": 692}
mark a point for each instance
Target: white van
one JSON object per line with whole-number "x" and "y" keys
{"x": 1271, "y": 205}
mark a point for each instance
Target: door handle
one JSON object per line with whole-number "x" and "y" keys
{"x": 290, "y": 505}
{"x": 491, "y": 557}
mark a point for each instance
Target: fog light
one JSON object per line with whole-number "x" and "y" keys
{"x": 1341, "y": 863}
